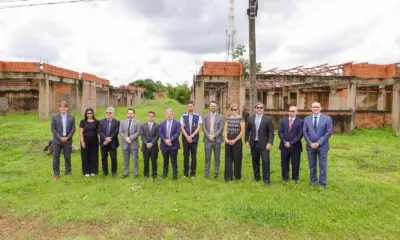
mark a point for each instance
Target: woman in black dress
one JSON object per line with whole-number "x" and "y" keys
{"x": 89, "y": 144}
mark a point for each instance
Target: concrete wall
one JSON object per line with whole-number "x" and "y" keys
{"x": 24, "y": 101}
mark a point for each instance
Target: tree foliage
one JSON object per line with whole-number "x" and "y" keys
{"x": 238, "y": 56}
{"x": 181, "y": 93}
{"x": 150, "y": 87}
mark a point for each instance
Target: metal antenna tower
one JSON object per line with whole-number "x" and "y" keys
{"x": 230, "y": 33}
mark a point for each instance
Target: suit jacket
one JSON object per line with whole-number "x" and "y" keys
{"x": 218, "y": 127}
{"x": 175, "y": 132}
{"x": 134, "y": 134}
{"x": 57, "y": 128}
{"x": 265, "y": 131}
{"x": 293, "y": 136}
{"x": 321, "y": 135}
{"x": 114, "y": 129}
{"x": 149, "y": 136}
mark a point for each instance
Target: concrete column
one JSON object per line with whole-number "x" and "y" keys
{"x": 93, "y": 96}
{"x": 381, "y": 98}
{"x": 139, "y": 97}
{"x": 44, "y": 99}
{"x": 270, "y": 100}
{"x": 199, "y": 97}
{"x": 79, "y": 99}
{"x": 352, "y": 103}
{"x": 242, "y": 94}
{"x": 128, "y": 99}
{"x": 85, "y": 100}
{"x": 396, "y": 108}
{"x": 285, "y": 97}
{"x": 300, "y": 99}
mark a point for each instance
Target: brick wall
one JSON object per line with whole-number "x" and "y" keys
{"x": 61, "y": 72}
{"x": 24, "y": 67}
{"x": 366, "y": 70}
{"x": 233, "y": 69}
{"x": 94, "y": 78}
{"x": 373, "y": 119}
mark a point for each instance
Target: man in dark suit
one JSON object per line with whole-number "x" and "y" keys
{"x": 108, "y": 131}
{"x": 169, "y": 132}
{"x": 260, "y": 137}
{"x": 149, "y": 135}
{"x": 63, "y": 129}
{"x": 317, "y": 130}
{"x": 291, "y": 132}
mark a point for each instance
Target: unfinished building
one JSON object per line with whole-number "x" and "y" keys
{"x": 359, "y": 95}
{"x": 32, "y": 87}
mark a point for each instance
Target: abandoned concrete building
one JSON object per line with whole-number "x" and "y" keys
{"x": 32, "y": 87}
{"x": 358, "y": 95}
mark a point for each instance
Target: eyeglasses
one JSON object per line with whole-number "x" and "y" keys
{"x": 89, "y": 113}
{"x": 109, "y": 113}
{"x": 259, "y": 107}
{"x": 234, "y": 109}
{"x": 291, "y": 111}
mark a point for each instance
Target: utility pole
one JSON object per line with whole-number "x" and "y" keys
{"x": 252, "y": 13}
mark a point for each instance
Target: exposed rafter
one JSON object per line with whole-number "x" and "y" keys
{"x": 319, "y": 70}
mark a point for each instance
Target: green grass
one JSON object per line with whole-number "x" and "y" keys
{"x": 362, "y": 200}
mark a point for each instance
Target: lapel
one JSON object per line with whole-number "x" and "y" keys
{"x": 288, "y": 124}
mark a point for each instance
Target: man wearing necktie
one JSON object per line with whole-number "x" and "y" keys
{"x": 212, "y": 128}
{"x": 108, "y": 131}
{"x": 169, "y": 132}
{"x": 260, "y": 137}
{"x": 291, "y": 132}
{"x": 129, "y": 131}
{"x": 317, "y": 130}
{"x": 149, "y": 135}
{"x": 63, "y": 129}
{"x": 190, "y": 127}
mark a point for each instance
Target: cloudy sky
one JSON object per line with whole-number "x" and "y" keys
{"x": 125, "y": 40}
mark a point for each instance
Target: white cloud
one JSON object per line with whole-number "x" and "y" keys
{"x": 126, "y": 40}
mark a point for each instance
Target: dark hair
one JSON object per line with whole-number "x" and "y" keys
{"x": 131, "y": 109}
{"x": 213, "y": 102}
{"x": 190, "y": 102}
{"x": 91, "y": 110}
{"x": 151, "y": 112}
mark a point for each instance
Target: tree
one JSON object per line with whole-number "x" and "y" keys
{"x": 150, "y": 87}
{"x": 238, "y": 56}
{"x": 180, "y": 93}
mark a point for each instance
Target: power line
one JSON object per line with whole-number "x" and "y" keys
{"x": 47, "y": 3}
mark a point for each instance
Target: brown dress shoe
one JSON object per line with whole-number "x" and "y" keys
{"x": 56, "y": 178}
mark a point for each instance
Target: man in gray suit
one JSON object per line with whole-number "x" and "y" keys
{"x": 63, "y": 129}
{"x": 129, "y": 130}
{"x": 212, "y": 128}
{"x": 317, "y": 130}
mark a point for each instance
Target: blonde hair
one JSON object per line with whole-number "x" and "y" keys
{"x": 232, "y": 106}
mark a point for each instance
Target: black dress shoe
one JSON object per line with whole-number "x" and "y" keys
{"x": 114, "y": 174}
{"x": 267, "y": 184}
{"x": 124, "y": 176}
{"x": 136, "y": 176}
{"x": 105, "y": 174}
{"x": 68, "y": 173}
{"x": 175, "y": 178}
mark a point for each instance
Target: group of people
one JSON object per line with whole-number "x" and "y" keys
{"x": 258, "y": 134}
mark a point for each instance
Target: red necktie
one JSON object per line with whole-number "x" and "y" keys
{"x": 290, "y": 123}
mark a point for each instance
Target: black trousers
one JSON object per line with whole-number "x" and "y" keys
{"x": 105, "y": 151}
{"x": 153, "y": 154}
{"x": 189, "y": 149}
{"x": 258, "y": 151}
{"x": 90, "y": 155}
{"x": 294, "y": 156}
{"x": 233, "y": 161}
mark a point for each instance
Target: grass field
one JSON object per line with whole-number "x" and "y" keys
{"x": 362, "y": 200}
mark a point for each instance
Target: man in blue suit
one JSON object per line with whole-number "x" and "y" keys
{"x": 169, "y": 132}
{"x": 291, "y": 132}
{"x": 317, "y": 130}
